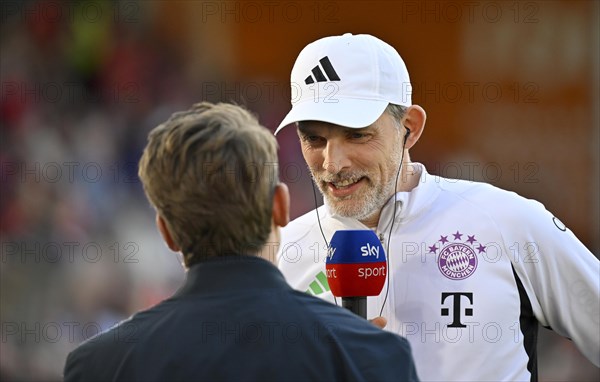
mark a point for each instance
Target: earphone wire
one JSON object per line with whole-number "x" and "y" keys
{"x": 320, "y": 227}
{"x": 387, "y": 258}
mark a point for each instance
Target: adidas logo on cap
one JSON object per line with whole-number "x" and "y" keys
{"x": 318, "y": 74}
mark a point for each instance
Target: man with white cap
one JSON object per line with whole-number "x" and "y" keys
{"x": 472, "y": 269}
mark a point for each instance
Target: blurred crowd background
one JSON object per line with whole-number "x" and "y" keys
{"x": 511, "y": 89}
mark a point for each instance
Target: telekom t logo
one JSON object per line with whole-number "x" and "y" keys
{"x": 456, "y": 312}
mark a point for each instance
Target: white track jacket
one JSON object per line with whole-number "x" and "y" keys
{"x": 472, "y": 271}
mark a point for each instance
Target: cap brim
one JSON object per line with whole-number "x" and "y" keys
{"x": 348, "y": 112}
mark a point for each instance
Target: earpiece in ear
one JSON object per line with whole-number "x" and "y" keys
{"x": 407, "y": 134}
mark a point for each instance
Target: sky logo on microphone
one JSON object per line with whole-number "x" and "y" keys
{"x": 370, "y": 250}
{"x": 355, "y": 264}
{"x": 330, "y": 252}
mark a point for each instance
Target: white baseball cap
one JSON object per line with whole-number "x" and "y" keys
{"x": 347, "y": 80}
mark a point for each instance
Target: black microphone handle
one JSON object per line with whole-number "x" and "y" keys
{"x": 357, "y": 305}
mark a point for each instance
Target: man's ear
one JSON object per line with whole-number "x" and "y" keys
{"x": 166, "y": 234}
{"x": 281, "y": 205}
{"x": 414, "y": 120}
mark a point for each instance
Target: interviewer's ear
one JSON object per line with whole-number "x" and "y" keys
{"x": 414, "y": 120}
{"x": 166, "y": 234}
{"x": 281, "y": 205}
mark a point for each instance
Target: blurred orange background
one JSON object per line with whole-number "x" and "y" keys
{"x": 511, "y": 90}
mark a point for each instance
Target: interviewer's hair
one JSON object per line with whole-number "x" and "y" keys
{"x": 210, "y": 172}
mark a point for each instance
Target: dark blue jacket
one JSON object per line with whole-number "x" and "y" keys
{"x": 236, "y": 319}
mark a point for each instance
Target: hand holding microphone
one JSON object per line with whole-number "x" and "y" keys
{"x": 356, "y": 268}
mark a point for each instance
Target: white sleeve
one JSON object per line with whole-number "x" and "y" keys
{"x": 560, "y": 275}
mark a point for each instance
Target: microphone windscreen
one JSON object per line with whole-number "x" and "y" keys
{"x": 355, "y": 264}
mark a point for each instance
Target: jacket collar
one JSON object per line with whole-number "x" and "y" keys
{"x": 232, "y": 273}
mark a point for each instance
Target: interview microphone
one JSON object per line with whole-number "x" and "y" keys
{"x": 356, "y": 268}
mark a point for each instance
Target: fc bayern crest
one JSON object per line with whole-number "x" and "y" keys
{"x": 457, "y": 258}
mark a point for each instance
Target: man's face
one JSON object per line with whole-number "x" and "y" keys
{"x": 355, "y": 169}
